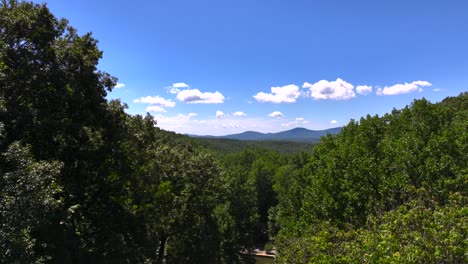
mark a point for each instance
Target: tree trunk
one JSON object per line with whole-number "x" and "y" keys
{"x": 161, "y": 252}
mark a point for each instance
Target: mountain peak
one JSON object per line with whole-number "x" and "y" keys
{"x": 299, "y": 129}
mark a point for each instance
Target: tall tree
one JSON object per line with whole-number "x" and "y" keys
{"x": 108, "y": 187}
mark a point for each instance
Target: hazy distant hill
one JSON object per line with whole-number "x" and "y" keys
{"x": 297, "y": 134}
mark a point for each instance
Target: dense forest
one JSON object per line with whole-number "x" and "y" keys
{"x": 82, "y": 181}
{"x": 223, "y": 146}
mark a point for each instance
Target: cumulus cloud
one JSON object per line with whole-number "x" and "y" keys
{"x": 284, "y": 94}
{"x": 180, "y": 85}
{"x": 239, "y": 113}
{"x": 276, "y": 114}
{"x": 299, "y": 119}
{"x": 194, "y": 96}
{"x": 333, "y": 122}
{"x": 422, "y": 83}
{"x": 119, "y": 85}
{"x": 186, "y": 117}
{"x": 403, "y": 88}
{"x": 176, "y": 87}
{"x": 155, "y": 100}
{"x": 155, "y": 108}
{"x": 220, "y": 114}
{"x": 364, "y": 89}
{"x": 336, "y": 90}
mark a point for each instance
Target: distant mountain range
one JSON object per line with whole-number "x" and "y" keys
{"x": 297, "y": 134}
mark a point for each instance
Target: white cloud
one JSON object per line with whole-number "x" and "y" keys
{"x": 180, "y": 85}
{"x": 220, "y": 114}
{"x": 337, "y": 90}
{"x": 194, "y": 96}
{"x": 364, "y": 89}
{"x": 176, "y": 87}
{"x": 299, "y": 119}
{"x": 155, "y": 108}
{"x": 284, "y": 94}
{"x": 239, "y": 113}
{"x": 333, "y": 122}
{"x": 155, "y": 100}
{"x": 276, "y": 114}
{"x": 422, "y": 83}
{"x": 119, "y": 85}
{"x": 436, "y": 89}
{"x": 403, "y": 88}
{"x": 186, "y": 117}
{"x": 173, "y": 90}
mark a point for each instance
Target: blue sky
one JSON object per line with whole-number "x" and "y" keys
{"x": 222, "y": 67}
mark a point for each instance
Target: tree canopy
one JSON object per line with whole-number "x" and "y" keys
{"x": 388, "y": 189}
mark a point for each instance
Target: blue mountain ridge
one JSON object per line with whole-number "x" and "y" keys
{"x": 296, "y": 134}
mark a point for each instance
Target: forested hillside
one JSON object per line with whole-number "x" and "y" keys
{"x": 81, "y": 181}
{"x": 297, "y": 134}
{"x": 388, "y": 189}
{"x": 224, "y": 146}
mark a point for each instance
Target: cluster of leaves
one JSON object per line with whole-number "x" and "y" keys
{"x": 81, "y": 181}
{"x": 412, "y": 233}
{"x": 28, "y": 198}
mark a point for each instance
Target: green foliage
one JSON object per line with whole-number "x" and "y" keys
{"x": 257, "y": 168}
{"x": 223, "y": 146}
{"x": 412, "y": 233}
{"x": 268, "y": 246}
{"x": 416, "y": 233}
{"x": 27, "y": 198}
{"x": 96, "y": 185}
{"x": 388, "y": 189}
